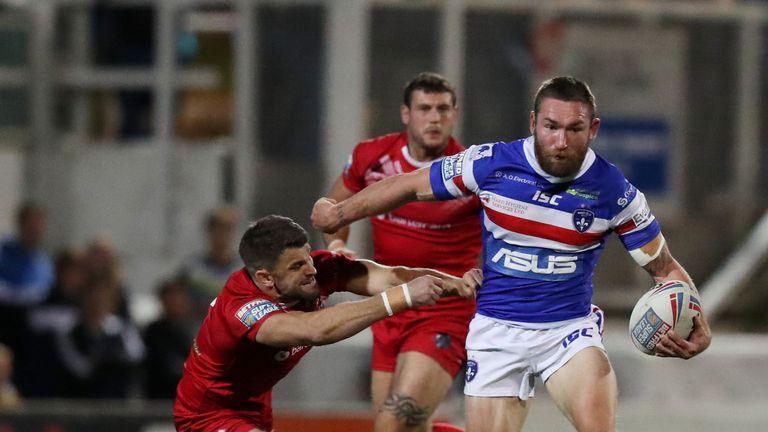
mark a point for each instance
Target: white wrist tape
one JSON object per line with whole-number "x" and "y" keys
{"x": 386, "y": 303}
{"x": 407, "y": 294}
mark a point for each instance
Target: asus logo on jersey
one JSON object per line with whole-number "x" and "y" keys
{"x": 523, "y": 262}
{"x": 546, "y": 198}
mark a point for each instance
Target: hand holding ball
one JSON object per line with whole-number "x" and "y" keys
{"x": 670, "y": 305}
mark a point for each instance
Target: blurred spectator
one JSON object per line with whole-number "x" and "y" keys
{"x": 59, "y": 310}
{"x": 26, "y": 272}
{"x": 208, "y": 271}
{"x": 168, "y": 340}
{"x": 98, "y": 356}
{"x": 9, "y": 397}
{"x": 102, "y": 265}
{"x": 26, "y": 275}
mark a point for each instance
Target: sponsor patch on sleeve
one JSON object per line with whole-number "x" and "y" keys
{"x": 629, "y": 193}
{"x": 253, "y": 311}
{"x": 452, "y": 166}
{"x": 481, "y": 151}
{"x": 643, "y": 213}
{"x": 641, "y": 217}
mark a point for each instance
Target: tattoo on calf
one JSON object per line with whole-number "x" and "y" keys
{"x": 405, "y": 409}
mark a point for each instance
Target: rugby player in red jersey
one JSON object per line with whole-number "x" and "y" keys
{"x": 271, "y": 312}
{"x": 417, "y": 354}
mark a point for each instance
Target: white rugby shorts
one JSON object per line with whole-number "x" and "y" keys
{"x": 504, "y": 358}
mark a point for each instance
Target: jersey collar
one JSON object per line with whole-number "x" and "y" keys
{"x": 421, "y": 164}
{"x": 414, "y": 162}
{"x": 530, "y": 156}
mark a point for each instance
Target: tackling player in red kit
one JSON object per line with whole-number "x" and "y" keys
{"x": 271, "y": 312}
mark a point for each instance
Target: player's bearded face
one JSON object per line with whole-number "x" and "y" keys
{"x": 294, "y": 275}
{"x": 429, "y": 120}
{"x": 562, "y": 132}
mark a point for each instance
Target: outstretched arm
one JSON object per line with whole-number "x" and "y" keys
{"x": 329, "y": 216}
{"x": 663, "y": 268}
{"x": 375, "y": 277}
{"x": 346, "y": 319}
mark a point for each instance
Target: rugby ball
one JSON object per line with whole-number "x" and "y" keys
{"x": 668, "y": 305}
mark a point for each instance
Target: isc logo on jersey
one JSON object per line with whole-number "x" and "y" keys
{"x": 535, "y": 264}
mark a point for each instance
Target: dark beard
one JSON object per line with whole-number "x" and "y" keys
{"x": 562, "y": 168}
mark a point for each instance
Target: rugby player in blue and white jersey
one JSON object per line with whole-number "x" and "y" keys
{"x": 549, "y": 202}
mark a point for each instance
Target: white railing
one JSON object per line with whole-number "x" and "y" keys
{"x": 737, "y": 271}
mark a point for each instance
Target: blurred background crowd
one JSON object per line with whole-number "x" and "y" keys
{"x": 67, "y": 325}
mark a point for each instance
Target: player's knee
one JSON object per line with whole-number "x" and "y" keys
{"x": 596, "y": 416}
{"x": 594, "y": 424}
{"x": 596, "y": 428}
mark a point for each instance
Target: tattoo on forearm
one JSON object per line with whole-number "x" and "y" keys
{"x": 405, "y": 409}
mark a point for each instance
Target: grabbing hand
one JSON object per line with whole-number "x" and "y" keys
{"x": 325, "y": 216}
{"x": 425, "y": 290}
{"x": 465, "y": 287}
{"x": 473, "y": 279}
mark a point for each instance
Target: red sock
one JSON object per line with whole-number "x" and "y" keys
{"x": 445, "y": 427}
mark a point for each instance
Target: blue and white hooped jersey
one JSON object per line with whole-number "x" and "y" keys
{"x": 542, "y": 235}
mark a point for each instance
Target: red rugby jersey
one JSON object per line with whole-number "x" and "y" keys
{"x": 443, "y": 235}
{"x": 227, "y": 370}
